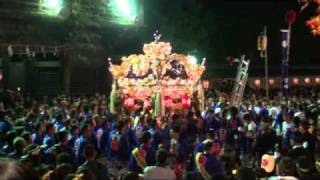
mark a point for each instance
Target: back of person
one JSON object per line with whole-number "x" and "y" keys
{"x": 156, "y": 172}
{"x": 160, "y": 171}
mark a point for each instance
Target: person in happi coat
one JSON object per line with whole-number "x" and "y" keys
{"x": 142, "y": 156}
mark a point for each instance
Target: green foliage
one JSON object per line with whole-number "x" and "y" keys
{"x": 83, "y": 25}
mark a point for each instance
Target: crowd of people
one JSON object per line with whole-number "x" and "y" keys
{"x": 69, "y": 137}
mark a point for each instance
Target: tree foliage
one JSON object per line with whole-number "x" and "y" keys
{"x": 83, "y": 22}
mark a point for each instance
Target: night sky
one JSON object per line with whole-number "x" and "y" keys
{"x": 232, "y": 28}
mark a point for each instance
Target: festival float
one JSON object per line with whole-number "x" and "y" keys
{"x": 159, "y": 78}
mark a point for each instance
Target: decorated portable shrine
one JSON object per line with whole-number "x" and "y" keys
{"x": 158, "y": 78}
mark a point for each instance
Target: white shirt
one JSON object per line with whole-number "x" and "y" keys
{"x": 158, "y": 173}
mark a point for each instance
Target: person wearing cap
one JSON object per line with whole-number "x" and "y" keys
{"x": 142, "y": 156}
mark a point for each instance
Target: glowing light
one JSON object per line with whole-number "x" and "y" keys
{"x": 295, "y": 81}
{"x": 124, "y": 11}
{"x": 317, "y": 80}
{"x": 307, "y": 80}
{"x": 271, "y": 81}
{"x": 51, "y": 7}
{"x": 193, "y": 60}
{"x": 257, "y": 82}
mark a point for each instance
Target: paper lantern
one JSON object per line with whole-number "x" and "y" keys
{"x": 290, "y": 17}
{"x": 262, "y": 42}
{"x": 268, "y": 163}
{"x": 167, "y": 102}
{"x": 271, "y": 81}
{"x": 205, "y": 84}
{"x": 295, "y": 81}
{"x": 186, "y": 102}
{"x": 257, "y": 82}
{"x": 307, "y": 80}
{"x": 129, "y": 102}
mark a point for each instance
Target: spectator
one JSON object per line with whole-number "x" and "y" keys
{"x": 12, "y": 170}
{"x": 97, "y": 169}
{"x": 286, "y": 170}
{"x": 304, "y": 168}
{"x": 142, "y": 156}
{"x": 160, "y": 170}
{"x": 297, "y": 149}
{"x": 19, "y": 144}
{"x": 207, "y": 162}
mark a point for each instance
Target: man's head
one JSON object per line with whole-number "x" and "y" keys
{"x": 296, "y": 139}
{"x": 175, "y": 132}
{"x": 19, "y": 144}
{"x": 90, "y": 152}
{"x": 63, "y": 137}
{"x": 286, "y": 167}
{"x": 304, "y": 165}
{"x": 146, "y": 137}
{"x": 120, "y": 125}
{"x": 161, "y": 156}
{"x": 50, "y": 129}
{"x": 211, "y": 134}
{"x": 85, "y": 130}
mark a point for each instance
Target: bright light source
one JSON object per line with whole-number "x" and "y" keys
{"x": 257, "y": 82}
{"x": 317, "y": 80}
{"x": 51, "y": 7}
{"x": 307, "y": 80}
{"x": 271, "y": 81}
{"x": 124, "y": 11}
{"x": 295, "y": 81}
{"x": 193, "y": 60}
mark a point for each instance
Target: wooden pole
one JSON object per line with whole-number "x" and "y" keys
{"x": 266, "y": 66}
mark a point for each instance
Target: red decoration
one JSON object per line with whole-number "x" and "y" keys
{"x": 216, "y": 148}
{"x": 202, "y": 160}
{"x": 186, "y": 102}
{"x": 290, "y": 17}
{"x": 142, "y": 153}
{"x": 264, "y": 163}
{"x": 314, "y": 25}
{"x": 167, "y": 102}
{"x": 129, "y": 102}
